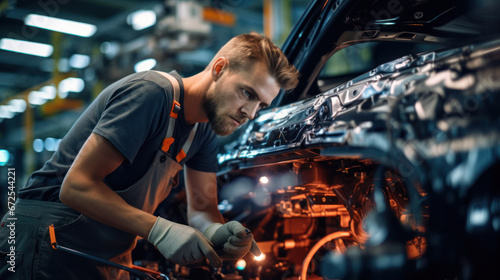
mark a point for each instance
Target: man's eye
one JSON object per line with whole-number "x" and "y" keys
{"x": 246, "y": 93}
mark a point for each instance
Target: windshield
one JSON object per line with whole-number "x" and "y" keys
{"x": 357, "y": 59}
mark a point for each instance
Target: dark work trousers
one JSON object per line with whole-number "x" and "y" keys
{"x": 34, "y": 257}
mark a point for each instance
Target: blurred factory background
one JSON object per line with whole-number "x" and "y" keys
{"x": 57, "y": 55}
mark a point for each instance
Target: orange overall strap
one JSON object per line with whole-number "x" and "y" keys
{"x": 174, "y": 111}
{"x": 185, "y": 149}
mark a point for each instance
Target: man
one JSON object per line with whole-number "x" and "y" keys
{"x": 121, "y": 158}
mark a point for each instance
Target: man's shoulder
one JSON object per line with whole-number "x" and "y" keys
{"x": 157, "y": 77}
{"x": 150, "y": 77}
{"x": 138, "y": 86}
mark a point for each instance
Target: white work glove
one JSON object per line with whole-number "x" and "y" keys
{"x": 182, "y": 244}
{"x": 236, "y": 240}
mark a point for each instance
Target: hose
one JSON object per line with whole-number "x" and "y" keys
{"x": 315, "y": 248}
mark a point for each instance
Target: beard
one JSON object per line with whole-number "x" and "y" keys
{"x": 220, "y": 123}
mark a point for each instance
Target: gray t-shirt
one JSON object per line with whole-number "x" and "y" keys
{"x": 132, "y": 114}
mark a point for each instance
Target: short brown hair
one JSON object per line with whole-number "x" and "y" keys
{"x": 246, "y": 49}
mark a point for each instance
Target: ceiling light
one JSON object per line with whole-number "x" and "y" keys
{"x": 36, "y": 98}
{"x": 145, "y": 65}
{"x": 40, "y": 97}
{"x": 4, "y": 157}
{"x": 50, "y": 144}
{"x": 61, "y": 25}
{"x": 38, "y": 145}
{"x": 26, "y": 47}
{"x": 48, "y": 92}
{"x": 17, "y": 105}
{"x": 6, "y": 113}
{"x": 70, "y": 85}
{"x": 141, "y": 19}
{"x": 79, "y": 61}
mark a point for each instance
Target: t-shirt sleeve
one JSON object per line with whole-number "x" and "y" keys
{"x": 205, "y": 158}
{"x": 132, "y": 115}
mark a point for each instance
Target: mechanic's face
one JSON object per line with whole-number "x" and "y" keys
{"x": 237, "y": 96}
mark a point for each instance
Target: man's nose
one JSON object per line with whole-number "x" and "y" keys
{"x": 250, "y": 109}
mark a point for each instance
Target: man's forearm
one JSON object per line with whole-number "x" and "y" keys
{"x": 202, "y": 219}
{"x": 104, "y": 205}
{"x": 201, "y": 193}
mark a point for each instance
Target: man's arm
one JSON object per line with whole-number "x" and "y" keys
{"x": 83, "y": 189}
{"x": 201, "y": 191}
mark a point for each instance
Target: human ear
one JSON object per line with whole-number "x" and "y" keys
{"x": 218, "y": 67}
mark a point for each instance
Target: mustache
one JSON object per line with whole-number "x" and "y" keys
{"x": 241, "y": 119}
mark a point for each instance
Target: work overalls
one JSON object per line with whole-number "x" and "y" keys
{"x": 36, "y": 259}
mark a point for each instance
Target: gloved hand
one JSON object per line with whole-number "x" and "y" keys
{"x": 182, "y": 244}
{"x": 236, "y": 239}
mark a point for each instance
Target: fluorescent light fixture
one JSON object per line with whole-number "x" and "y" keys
{"x": 6, "y": 113}
{"x": 38, "y": 145}
{"x": 35, "y": 98}
{"x": 141, "y": 19}
{"x": 48, "y": 92}
{"x": 61, "y": 25}
{"x": 50, "y": 144}
{"x": 40, "y": 97}
{"x": 145, "y": 65}
{"x": 79, "y": 61}
{"x": 70, "y": 85}
{"x": 26, "y": 47}
{"x": 4, "y": 157}
{"x": 17, "y": 105}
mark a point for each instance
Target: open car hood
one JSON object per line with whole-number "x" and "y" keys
{"x": 308, "y": 116}
{"x": 416, "y": 106}
{"x": 328, "y": 26}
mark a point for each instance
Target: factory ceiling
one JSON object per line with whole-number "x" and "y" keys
{"x": 181, "y": 35}
{"x": 19, "y": 72}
